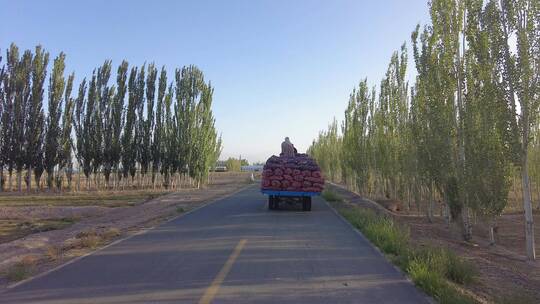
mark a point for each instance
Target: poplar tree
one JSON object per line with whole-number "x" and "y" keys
{"x": 520, "y": 80}
{"x": 160, "y": 124}
{"x": 390, "y": 119}
{"x": 189, "y": 82}
{"x": 487, "y": 160}
{"x": 7, "y": 132}
{"x": 140, "y": 121}
{"x": 129, "y": 152}
{"x": 65, "y": 163}
{"x": 356, "y": 146}
{"x": 434, "y": 114}
{"x": 114, "y": 148}
{"x": 82, "y": 124}
{"x": 53, "y": 127}
{"x": 327, "y": 149}
{"x": 170, "y": 148}
{"x": 34, "y": 118}
{"x": 206, "y": 143}
{"x": 22, "y": 139}
{"x": 102, "y": 95}
{"x": 111, "y": 103}
{"x": 148, "y": 122}
{"x": 2, "y": 107}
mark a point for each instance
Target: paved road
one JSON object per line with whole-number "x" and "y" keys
{"x": 232, "y": 251}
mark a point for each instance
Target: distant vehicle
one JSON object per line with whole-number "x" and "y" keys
{"x": 220, "y": 169}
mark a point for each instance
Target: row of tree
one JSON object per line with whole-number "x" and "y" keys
{"x": 142, "y": 125}
{"x": 469, "y": 121}
{"x": 235, "y": 164}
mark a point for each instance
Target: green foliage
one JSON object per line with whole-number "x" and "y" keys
{"x": 129, "y": 151}
{"x": 113, "y": 122}
{"x": 66, "y": 142}
{"x": 330, "y": 196}
{"x": 430, "y": 268}
{"x": 176, "y": 135}
{"x": 235, "y": 164}
{"x": 464, "y": 124}
{"x": 159, "y": 126}
{"x": 434, "y": 284}
{"x": 196, "y": 134}
{"x": 327, "y": 150}
{"x": 382, "y": 231}
{"x": 148, "y": 122}
{"x": 82, "y": 126}
{"x": 53, "y": 128}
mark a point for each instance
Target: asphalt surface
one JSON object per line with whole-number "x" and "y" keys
{"x": 231, "y": 251}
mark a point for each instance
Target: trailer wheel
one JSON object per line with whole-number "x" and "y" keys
{"x": 273, "y": 202}
{"x": 306, "y": 203}
{"x": 270, "y": 202}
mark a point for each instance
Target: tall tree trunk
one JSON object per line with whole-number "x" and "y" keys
{"x": 50, "y": 177}
{"x": 538, "y": 196}
{"x": 467, "y": 231}
{"x": 491, "y": 235}
{"x": 79, "y": 179}
{"x": 417, "y": 197}
{"x": 527, "y": 206}
{"x": 10, "y": 180}
{"x": 466, "y": 223}
{"x": 37, "y": 179}
{"x": 19, "y": 180}
{"x": 29, "y": 179}
{"x": 430, "y": 203}
{"x": 2, "y": 181}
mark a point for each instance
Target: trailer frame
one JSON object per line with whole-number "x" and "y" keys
{"x": 276, "y": 196}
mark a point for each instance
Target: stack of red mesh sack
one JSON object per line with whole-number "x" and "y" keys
{"x": 299, "y": 173}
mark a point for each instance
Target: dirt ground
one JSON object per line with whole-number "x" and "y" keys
{"x": 124, "y": 218}
{"x": 504, "y": 274}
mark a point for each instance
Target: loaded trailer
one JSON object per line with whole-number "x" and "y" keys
{"x": 277, "y": 196}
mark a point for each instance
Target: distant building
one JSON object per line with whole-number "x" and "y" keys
{"x": 254, "y": 168}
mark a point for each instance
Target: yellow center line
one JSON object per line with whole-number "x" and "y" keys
{"x": 213, "y": 289}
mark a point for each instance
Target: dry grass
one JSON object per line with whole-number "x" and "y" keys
{"x": 22, "y": 269}
{"x": 111, "y": 233}
{"x": 92, "y": 239}
{"x": 88, "y": 239}
{"x": 14, "y": 229}
{"x": 54, "y": 253}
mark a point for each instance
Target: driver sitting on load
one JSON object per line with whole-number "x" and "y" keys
{"x": 287, "y": 148}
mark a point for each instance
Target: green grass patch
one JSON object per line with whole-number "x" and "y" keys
{"x": 430, "y": 268}
{"x": 330, "y": 196}
{"x": 180, "y": 209}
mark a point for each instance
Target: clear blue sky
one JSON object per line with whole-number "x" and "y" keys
{"x": 280, "y": 68}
